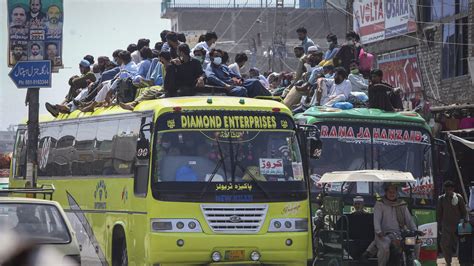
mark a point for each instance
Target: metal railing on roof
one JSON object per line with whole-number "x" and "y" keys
{"x": 173, "y": 4}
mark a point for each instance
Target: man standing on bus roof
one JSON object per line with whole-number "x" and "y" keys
{"x": 450, "y": 209}
{"x": 390, "y": 216}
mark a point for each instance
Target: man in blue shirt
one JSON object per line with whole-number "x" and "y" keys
{"x": 305, "y": 41}
{"x": 220, "y": 75}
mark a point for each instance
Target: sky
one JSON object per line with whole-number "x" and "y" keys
{"x": 95, "y": 27}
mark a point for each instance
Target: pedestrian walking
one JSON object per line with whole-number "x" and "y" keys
{"x": 450, "y": 210}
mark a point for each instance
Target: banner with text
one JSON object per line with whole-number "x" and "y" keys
{"x": 400, "y": 69}
{"x": 35, "y": 30}
{"x": 376, "y": 20}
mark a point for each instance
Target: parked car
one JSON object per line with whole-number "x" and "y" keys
{"x": 41, "y": 222}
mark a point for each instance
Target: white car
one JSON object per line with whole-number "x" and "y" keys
{"x": 42, "y": 222}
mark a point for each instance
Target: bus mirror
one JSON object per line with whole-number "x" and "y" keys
{"x": 441, "y": 155}
{"x": 143, "y": 142}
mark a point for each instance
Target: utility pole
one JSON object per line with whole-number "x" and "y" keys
{"x": 32, "y": 99}
{"x": 279, "y": 36}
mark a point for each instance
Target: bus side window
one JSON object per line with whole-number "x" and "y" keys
{"x": 103, "y": 164}
{"x": 84, "y": 156}
{"x": 47, "y": 144}
{"x": 19, "y": 158}
{"x": 64, "y": 151}
{"x": 125, "y": 144}
{"x": 142, "y": 169}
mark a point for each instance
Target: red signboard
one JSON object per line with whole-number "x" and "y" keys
{"x": 400, "y": 69}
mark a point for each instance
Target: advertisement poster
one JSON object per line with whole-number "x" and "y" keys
{"x": 400, "y": 16}
{"x": 401, "y": 70}
{"x": 369, "y": 20}
{"x": 35, "y": 30}
{"x": 376, "y": 20}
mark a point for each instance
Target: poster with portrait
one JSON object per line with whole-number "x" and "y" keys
{"x": 35, "y": 31}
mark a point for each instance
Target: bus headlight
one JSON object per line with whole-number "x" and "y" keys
{"x": 291, "y": 225}
{"x": 175, "y": 225}
{"x": 216, "y": 256}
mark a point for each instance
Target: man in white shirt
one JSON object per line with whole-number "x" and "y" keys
{"x": 335, "y": 90}
{"x": 358, "y": 82}
{"x": 136, "y": 57}
{"x": 240, "y": 60}
{"x": 209, "y": 41}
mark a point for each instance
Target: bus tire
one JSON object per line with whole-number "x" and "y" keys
{"x": 119, "y": 247}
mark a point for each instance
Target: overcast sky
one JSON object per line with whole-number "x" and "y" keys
{"x": 95, "y": 27}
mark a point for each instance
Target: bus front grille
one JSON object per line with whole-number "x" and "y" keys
{"x": 235, "y": 218}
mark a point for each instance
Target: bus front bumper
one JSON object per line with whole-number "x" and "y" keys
{"x": 198, "y": 248}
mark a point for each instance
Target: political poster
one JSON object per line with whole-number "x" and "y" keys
{"x": 401, "y": 70}
{"x": 369, "y": 20}
{"x": 400, "y": 17}
{"x": 35, "y": 31}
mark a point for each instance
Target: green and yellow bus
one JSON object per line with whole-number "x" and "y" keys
{"x": 362, "y": 138}
{"x": 186, "y": 180}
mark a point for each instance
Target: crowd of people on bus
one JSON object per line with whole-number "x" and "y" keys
{"x": 339, "y": 77}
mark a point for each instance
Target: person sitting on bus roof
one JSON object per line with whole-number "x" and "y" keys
{"x": 136, "y": 55}
{"x": 155, "y": 80}
{"x": 382, "y": 95}
{"x": 184, "y": 74}
{"x": 200, "y": 54}
{"x": 210, "y": 38}
{"x": 308, "y": 64}
{"x": 358, "y": 82}
{"x": 172, "y": 44}
{"x": 254, "y": 73}
{"x": 220, "y": 75}
{"x": 143, "y": 67}
{"x": 240, "y": 60}
{"x": 77, "y": 83}
{"x": 339, "y": 88}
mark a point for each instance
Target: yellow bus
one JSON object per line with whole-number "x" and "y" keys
{"x": 178, "y": 181}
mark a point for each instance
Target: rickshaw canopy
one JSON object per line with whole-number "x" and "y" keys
{"x": 385, "y": 176}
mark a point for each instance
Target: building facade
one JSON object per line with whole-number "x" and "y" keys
{"x": 264, "y": 29}
{"x": 424, "y": 46}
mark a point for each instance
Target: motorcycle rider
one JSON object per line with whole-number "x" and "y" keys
{"x": 391, "y": 215}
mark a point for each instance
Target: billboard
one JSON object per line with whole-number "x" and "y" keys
{"x": 400, "y": 69}
{"x": 35, "y": 31}
{"x": 369, "y": 20}
{"x": 376, "y": 20}
{"x": 400, "y": 16}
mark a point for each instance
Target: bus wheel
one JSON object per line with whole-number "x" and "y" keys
{"x": 119, "y": 247}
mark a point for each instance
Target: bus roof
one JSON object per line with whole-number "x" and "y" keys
{"x": 315, "y": 114}
{"x": 186, "y": 103}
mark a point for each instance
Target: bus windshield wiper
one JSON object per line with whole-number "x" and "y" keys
{"x": 214, "y": 172}
{"x": 246, "y": 171}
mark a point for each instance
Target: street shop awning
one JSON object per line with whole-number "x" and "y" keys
{"x": 469, "y": 144}
{"x": 386, "y": 176}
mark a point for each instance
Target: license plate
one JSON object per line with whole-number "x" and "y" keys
{"x": 234, "y": 255}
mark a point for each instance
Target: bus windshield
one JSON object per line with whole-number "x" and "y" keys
{"x": 244, "y": 165}
{"x": 348, "y": 148}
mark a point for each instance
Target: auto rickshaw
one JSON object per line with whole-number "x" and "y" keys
{"x": 341, "y": 236}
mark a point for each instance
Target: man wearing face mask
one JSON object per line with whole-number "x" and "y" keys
{"x": 209, "y": 43}
{"x": 200, "y": 54}
{"x": 348, "y": 52}
{"x": 333, "y": 49}
{"x": 184, "y": 74}
{"x": 220, "y": 75}
{"x": 358, "y": 82}
{"x": 331, "y": 91}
